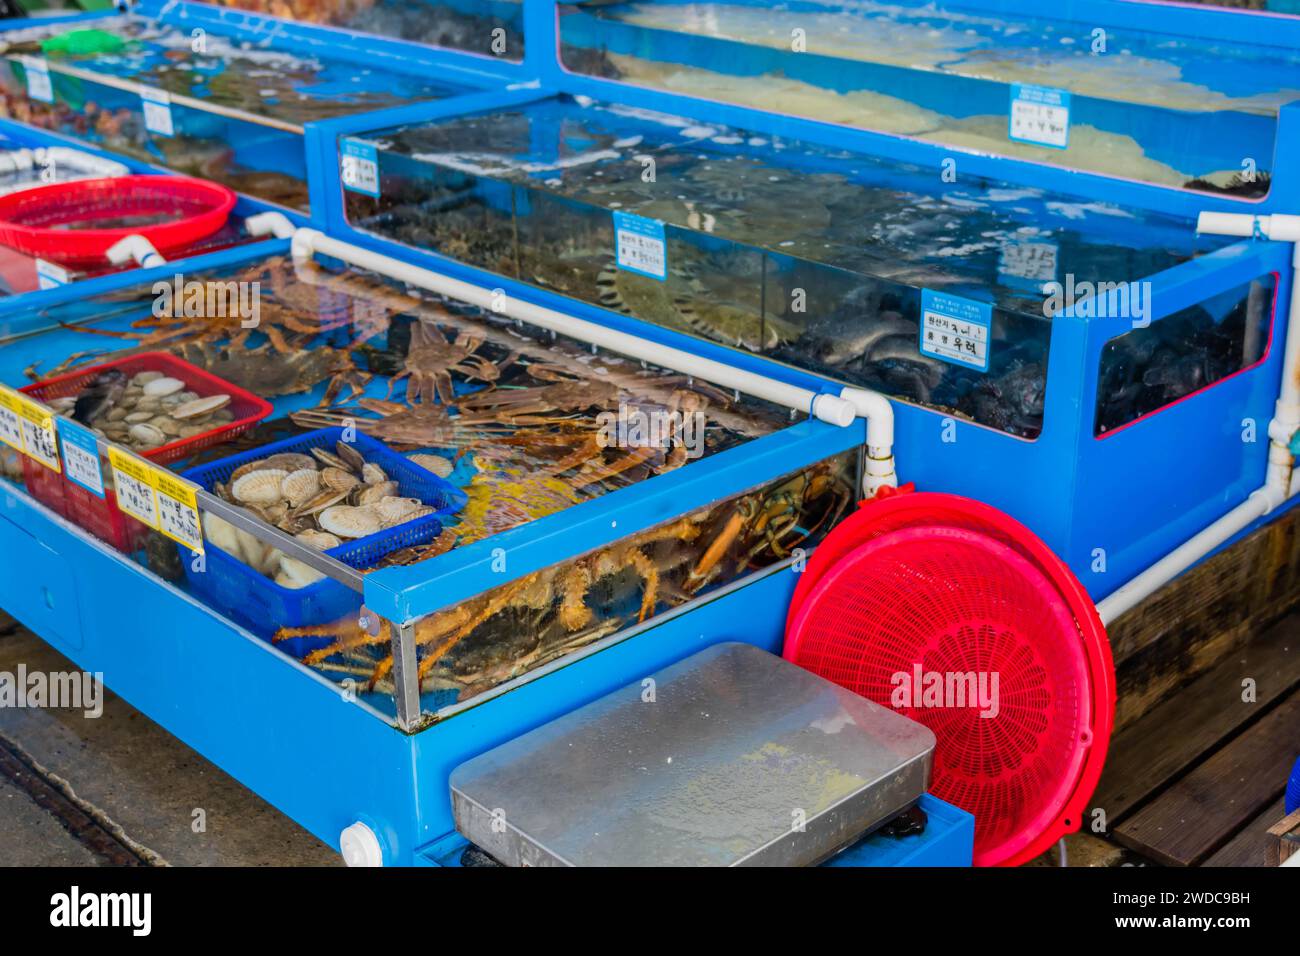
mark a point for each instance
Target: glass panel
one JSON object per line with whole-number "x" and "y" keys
{"x": 814, "y": 256}
{"x": 1162, "y": 108}
{"x": 236, "y": 111}
{"x": 402, "y": 424}
{"x": 512, "y": 629}
{"x": 489, "y": 27}
{"x": 1150, "y": 368}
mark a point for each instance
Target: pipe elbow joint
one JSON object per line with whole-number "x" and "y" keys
{"x": 878, "y": 412}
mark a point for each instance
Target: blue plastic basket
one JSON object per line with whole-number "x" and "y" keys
{"x": 258, "y": 603}
{"x": 1293, "y": 789}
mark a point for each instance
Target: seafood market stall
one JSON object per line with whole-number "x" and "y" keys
{"x": 226, "y": 96}
{"x": 1197, "y": 99}
{"x": 589, "y": 371}
{"x": 385, "y": 540}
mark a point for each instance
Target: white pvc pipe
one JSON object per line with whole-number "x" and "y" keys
{"x": 1261, "y": 502}
{"x": 137, "y": 247}
{"x": 828, "y": 408}
{"x": 270, "y": 223}
{"x": 1282, "y": 480}
{"x": 89, "y": 163}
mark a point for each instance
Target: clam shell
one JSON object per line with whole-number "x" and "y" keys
{"x": 159, "y": 387}
{"x": 146, "y": 435}
{"x": 258, "y": 487}
{"x": 348, "y": 522}
{"x": 440, "y": 466}
{"x": 200, "y": 406}
{"x": 144, "y": 378}
{"x": 299, "y": 486}
{"x": 136, "y": 418}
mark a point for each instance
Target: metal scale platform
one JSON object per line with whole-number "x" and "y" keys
{"x": 732, "y": 757}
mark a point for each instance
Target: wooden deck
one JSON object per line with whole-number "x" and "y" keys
{"x": 1208, "y": 718}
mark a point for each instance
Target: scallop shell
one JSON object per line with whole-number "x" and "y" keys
{"x": 440, "y": 466}
{"x": 373, "y": 494}
{"x": 413, "y": 514}
{"x": 372, "y": 474}
{"x": 338, "y": 479}
{"x": 393, "y": 509}
{"x": 285, "y": 461}
{"x": 350, "y": 455}
{"x": 320, "y": 540}
{"x": 295, "y": 574}
{"x": 299, "y": 486}
{"x": 200, "y": 406}
{"x": 258, "y": 487}
{"x": 328, "y": 458}
{"x": 347, "y": 522}
{"x": 163, "y": 386}
{"x": 323, "y": 499}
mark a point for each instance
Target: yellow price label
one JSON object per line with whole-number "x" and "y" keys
{"x": 158, "y": 498}
{"x": 28, "y": 428}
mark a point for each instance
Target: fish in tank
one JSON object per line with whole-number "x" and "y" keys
{"x": 807, "y": 254}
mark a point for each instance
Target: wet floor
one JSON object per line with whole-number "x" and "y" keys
{"x": 118, "y": 790}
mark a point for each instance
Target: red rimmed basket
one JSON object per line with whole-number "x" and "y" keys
{"x": 925, "y": 584}
{"x": 58, "y": 221}
{"x": 102, "y": 517}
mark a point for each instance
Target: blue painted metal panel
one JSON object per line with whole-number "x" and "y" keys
{"x": 948, "y": 840}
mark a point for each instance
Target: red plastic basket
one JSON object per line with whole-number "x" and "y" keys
{"x": 102, "y": 517}
{"x": 927, "y": 585}
{"x": 66, "y": 222}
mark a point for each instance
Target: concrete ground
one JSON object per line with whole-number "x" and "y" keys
{"x": 120, "y": 790}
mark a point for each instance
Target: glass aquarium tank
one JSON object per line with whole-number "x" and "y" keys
{"x": 488, "y": 27}
{"x": 867, "y": 271}
{"x": 1175, "y": 110}
{"x": 223, "y": 108}
{"x": 398, "y": 431}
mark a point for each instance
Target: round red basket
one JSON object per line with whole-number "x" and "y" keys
{"x": 930, "y": 584}
{"x": 76, "y": 223}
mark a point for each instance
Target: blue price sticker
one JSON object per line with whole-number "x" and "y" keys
{"x": 359, "y": 167}
{"x": 81, "y": 457}
{"x": 955, "y": 329}
{"x": 1039, "y": 115}
{"x": 640, "y": 245}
